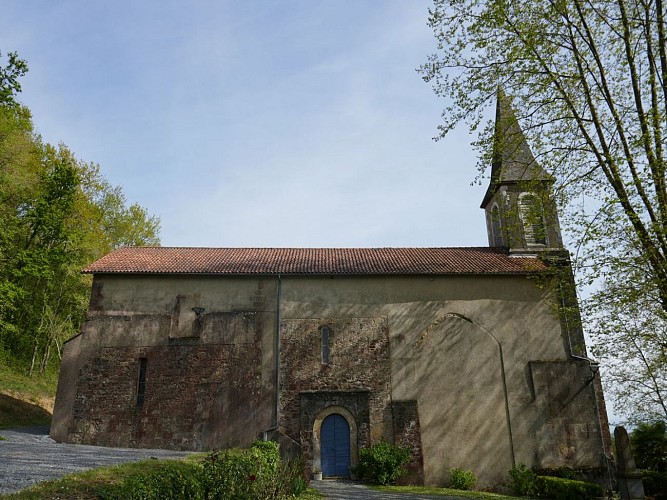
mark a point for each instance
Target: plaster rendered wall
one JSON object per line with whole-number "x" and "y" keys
{"x": 452, "y": 368}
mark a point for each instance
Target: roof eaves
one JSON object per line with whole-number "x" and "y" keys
{"x": 525, "y": 271}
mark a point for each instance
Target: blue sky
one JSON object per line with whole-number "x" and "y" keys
{"x": 248, "y": 123}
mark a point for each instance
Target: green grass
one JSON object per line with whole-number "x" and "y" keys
{"x": 87, "y": 485}
{"x": 429, "y": 490}
{"x": 311, "y": 494}
{"x": 24, "y": 399}
{"x": 43, "y": 385}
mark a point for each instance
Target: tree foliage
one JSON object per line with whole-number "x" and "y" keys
{"x": 649, "y": 446}
{"x": 630, "y": 334}
{"x": 589, "y": 85}
{"x": 9, "y": 79}
{"x": 57, "y": 214}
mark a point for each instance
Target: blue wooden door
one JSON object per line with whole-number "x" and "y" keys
{"x": 335, "y": 446}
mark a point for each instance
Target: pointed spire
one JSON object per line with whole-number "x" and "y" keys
{"x": 521, "y": 213}
{"x": 513, "y": 161}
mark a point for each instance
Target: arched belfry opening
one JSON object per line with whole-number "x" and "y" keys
{"x": 520, "y": 210}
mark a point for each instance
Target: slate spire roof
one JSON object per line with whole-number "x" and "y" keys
{"x": 313, "y": 261}
{"x": 513, "y": 161}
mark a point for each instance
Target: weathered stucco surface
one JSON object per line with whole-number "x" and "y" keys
{"x": 478, "y": 367}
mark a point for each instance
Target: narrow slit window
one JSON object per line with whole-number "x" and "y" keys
{"x": 325, "y": 333}
{"x": 495, "y": 227}
{"x": 141, "y": 383}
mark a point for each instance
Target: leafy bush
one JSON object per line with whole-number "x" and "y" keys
{"x": 250, "y": 474}
{"x": 567, "y": 489}
{"x": 288, "y": 482}
{"x": 241, "y": 476}
{"x": 299, "y": 485}
{"x": 255, "y": 473}
{"x": 522, "y": 481}
{"x": 649, "y": 446}
{"x": 460, "y": 479}
{"x": 266, "y": 456}
{"x": 227, "y": 475}
{"x": 293, "y": 472}
{"x": 655, "y": 484}
{"x": 563, "y": 472}
{"x": 383, "y": 462}
{"x": 172, "y": 479}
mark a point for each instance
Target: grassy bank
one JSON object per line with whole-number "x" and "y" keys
{"x": 26, "y": 401}
{"x": 101, "y": 483}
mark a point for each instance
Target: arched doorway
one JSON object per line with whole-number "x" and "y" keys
{"x": 335, "y": 446}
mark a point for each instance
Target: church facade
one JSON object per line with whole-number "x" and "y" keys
{"x": 472, "y": 357}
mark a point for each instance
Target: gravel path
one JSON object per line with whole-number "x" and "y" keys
{"x": 29, "y": 455}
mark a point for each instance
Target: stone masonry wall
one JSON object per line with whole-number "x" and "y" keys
{"x": 407, "y": 432}
{"x": 198, "y": 395}
{"x": 358, "y": 361}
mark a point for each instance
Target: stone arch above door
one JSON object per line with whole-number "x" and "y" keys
{"x": 317, "y": 426}
{"x": 315, "y": 406}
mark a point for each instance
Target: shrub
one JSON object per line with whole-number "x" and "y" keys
{"x": 288, "y": 482}
{"x": 254, "y": 473}
{"x": 649, "y": 445}
{"x": 567, "y": 489}
{"x": 250, "y": 474}
{"x": 522, "y": 481}
{"x": 294, "y": 474}
{"x": 563, "y": 472}
{"x": 655, "y": 484}
{"x": 266, "y": 457}
{"x": 223, "y": 470}
{"x": 299, "y": 485}
{"x": 173, "y": 479}
{"x": 461, "y": 479}
{"x": 228, "y": 475}
{"x": 382, "y": 463}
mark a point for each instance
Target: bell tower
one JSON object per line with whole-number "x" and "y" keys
{"x": 521, "y": 213}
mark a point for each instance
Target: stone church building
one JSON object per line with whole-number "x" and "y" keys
{"x": 472, "y": 357}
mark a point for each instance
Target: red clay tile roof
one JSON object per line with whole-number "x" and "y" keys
{"x": 313, "y": 261}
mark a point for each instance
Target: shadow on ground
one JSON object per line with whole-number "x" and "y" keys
{"x": 15, "y": 412}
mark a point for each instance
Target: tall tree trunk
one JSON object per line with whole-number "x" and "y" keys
{"x": 34, "y": 356}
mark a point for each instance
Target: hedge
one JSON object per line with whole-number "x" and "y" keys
{"x": 567, "y": 489}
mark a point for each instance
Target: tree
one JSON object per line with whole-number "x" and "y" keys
{"x": 589, "y": 85}
{"x": 57, "y": 214}
{"x": 19, "y": 174}
{"x": 589, "y": 82}
{"x": 649, "y": 444}
{"x": 630, "y": 333}
{"x": 9, "y": 79}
